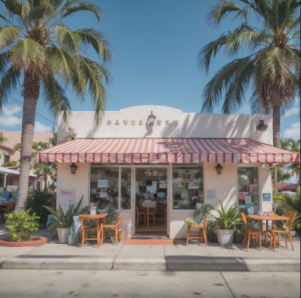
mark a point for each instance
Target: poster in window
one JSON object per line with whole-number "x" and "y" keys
{"x": 103, "y": 183}
{"x": 253, "y": 188}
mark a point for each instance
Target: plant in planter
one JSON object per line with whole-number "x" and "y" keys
{"x": 190, "y": 222}
{"x": 211, "y": 231}
{"x": 62, "y": 222}
{"x": 239, "y": 233}
{"x": 21, "y": 224}
{"x": 226, "y": 224}
{"x": 111, "y": 219}
{"x": 36, "y": 202}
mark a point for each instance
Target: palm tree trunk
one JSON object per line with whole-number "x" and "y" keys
{"x": 276, "y": 140}
{"x": 31, "y": 89}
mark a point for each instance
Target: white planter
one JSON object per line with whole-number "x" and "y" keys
{"x": 63, "y": 234}
{"x": 225, "y": 237}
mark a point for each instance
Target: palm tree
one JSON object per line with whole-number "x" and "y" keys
{"x": 272, "y": 70}
{"x": 2, "y": 140}
{"x": 295, "y": 167}
{"x": 44, "y": 169}
{"x": 39, "y": 49}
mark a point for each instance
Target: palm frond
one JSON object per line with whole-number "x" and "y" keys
{"x": 28, "y": 54}
{"x": 221, "y": 9}
{"x": 93, "y": 75}
{"x": 75, "y": 6}
{"x": 224, "y": 80}
{"x": 55, "y": 98}
{"x": 62, "y": 64}
{"x": 67, "y": 39}
{"x": 9, "y": 81}
{"x": 8, "y": 35}
{"x": 97, "y": 40}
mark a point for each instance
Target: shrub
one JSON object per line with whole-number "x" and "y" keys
{"x": 36, "y": 203}
{"x": 21, "y": 224}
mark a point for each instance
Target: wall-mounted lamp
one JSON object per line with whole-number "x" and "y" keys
{"x": 151, "y": 119}
{"x": 261, "y": 126}
{"x": 73, "y": 168}
{"x": 218, "y": 169}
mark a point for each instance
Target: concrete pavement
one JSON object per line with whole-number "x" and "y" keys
{"x": 178, "y": 257}
{"x": 142, "y": 284}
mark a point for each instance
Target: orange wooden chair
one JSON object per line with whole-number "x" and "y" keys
{"x": 85, "y": 230}
{"x": 286, "y": 232}
{"x": 115, "y": 227}
{"x": 151, "y": 215}
{"x": 141, "y": 215}
{"x": 250, "y": 232}
{"x": 202, "y": 229}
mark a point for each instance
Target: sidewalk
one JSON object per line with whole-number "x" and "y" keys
{"x": 178, "y": 257}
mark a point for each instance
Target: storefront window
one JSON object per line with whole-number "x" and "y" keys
{"x": 187, "y": 186}
{"x": 248, "y": 201}
{"x": 104, "y": 186}
{"x": 125, "y": 188}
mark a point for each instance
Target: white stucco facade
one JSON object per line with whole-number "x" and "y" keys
{"x": 173, "y": 123}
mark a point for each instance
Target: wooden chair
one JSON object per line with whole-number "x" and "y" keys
{"x": 115, "y": 227}
{"x": 250, "y": 232}
{"x": 286, "y": 232}
{"x": 141, "y": 215}
{"x": 151, "y": 215}
{"x": 85, "y": 230}
{"x": 202, "y": 229}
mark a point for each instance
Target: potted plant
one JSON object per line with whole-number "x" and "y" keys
{"x": 211, "y": 231}
{"x": 226, "y": 224}
{"x": 111, "y": 219}
{"x": 20, "y": 225}
{"x": 63, "y": 221}
{"x": 239, "y": 233}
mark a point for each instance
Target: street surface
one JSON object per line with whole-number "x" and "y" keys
{"x": 155, "y": 284}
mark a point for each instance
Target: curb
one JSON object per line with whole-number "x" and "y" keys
{"x": 169, "y": 263}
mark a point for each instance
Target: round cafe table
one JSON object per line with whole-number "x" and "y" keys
{"x": 261, "y": 218}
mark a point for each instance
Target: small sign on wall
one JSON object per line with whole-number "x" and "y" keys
{"x": 67, "y": 196}
{"x": 210, "y": 194}
{"x": 266, "y": 197}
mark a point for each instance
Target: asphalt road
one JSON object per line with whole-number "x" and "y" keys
{"x": 155, "y": 284}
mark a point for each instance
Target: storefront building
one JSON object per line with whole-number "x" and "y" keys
{"x": 179, "y": 160}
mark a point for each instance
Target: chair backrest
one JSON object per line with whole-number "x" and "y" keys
{"x": 137, "y": 209}
{"x": 118, "y": 219}
{"x": 244, "y": 219}
{"x": 205, "y": 220}
{"x": 291, "y": 216}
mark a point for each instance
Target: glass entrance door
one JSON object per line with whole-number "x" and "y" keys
{"x": 151, "y": 200}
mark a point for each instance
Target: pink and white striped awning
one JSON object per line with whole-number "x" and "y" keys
{"x": 166, "y": 151}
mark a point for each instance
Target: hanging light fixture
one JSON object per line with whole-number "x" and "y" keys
{"x": 218, "y": 169}
{"x": 151, "y": 119}
{"x": 73, "y": 168}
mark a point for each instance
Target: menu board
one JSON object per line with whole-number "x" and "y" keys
{"x": 66, "y": 196}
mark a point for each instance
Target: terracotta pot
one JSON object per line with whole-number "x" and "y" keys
{"x": 33, "y": 241}
{"x": 63, "y": 234}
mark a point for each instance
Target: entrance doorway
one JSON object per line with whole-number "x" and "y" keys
{"x": 151, "y": 202}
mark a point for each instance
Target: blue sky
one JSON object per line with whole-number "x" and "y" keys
{"x": 155, "y": 45}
